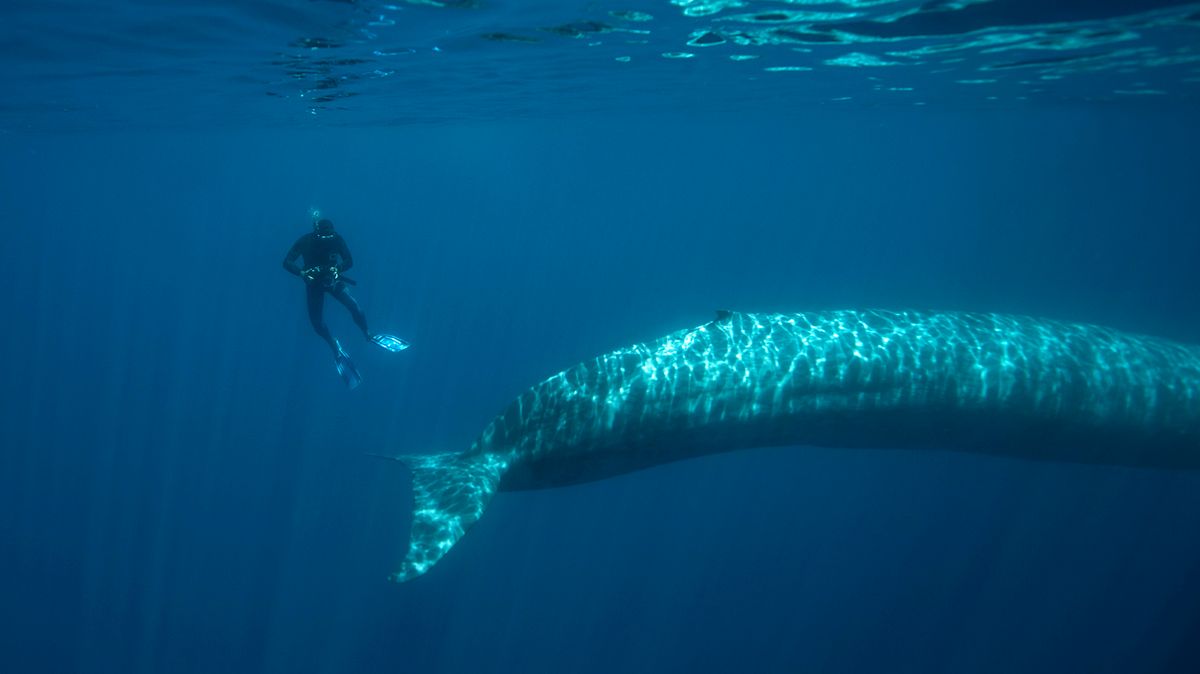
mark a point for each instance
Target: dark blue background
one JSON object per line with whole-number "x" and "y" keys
{"x": 183, "y": 486}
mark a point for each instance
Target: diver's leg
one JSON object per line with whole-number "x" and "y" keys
{"x": 342, "y": 294}
{"x": 316, "y": 310}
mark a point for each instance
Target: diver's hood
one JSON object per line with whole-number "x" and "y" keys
{"x": 324, "y": 229}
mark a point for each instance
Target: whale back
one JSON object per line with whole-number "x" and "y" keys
{"x": 974, "y": 382}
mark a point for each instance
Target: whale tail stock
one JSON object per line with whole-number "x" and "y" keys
{"x": 450, "y": 492}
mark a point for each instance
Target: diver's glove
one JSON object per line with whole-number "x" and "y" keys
{"x": 328, "y": 276}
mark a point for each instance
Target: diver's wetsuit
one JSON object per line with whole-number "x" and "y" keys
{"x": 322, "y": 253}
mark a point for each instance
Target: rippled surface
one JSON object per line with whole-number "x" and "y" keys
{"x": 152, "y": 62}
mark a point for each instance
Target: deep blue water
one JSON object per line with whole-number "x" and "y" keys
{"x": 183, "y": 478}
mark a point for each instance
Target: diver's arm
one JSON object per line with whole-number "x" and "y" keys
{"x": 344, "y": 253}
{"x": 289, "y": 261}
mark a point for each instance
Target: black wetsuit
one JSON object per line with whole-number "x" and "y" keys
{"x": 320, "y": 254}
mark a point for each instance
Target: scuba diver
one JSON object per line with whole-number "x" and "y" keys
{"x": 326, "y": 258}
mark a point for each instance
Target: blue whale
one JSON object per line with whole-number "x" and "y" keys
{"x": 982, "y": 383}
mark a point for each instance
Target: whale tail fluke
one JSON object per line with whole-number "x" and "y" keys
{"x": 450, "y": 492}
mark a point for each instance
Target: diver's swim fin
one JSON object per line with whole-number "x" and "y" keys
{"x": 345, "y": 367}
{"x": 390, "y": 342}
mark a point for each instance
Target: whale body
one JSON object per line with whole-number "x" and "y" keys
{"x": 972, "y": 382}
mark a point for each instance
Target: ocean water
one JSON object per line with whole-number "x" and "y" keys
{"x": 185, "y": 483}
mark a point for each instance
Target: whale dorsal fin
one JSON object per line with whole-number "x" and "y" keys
{"x": 450, "y": 492}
